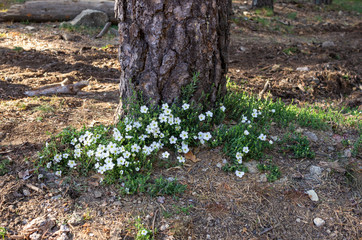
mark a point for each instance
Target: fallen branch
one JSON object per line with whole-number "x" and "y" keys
{"x": 104, "y": 30}
{"x": 31, "y": 186}
{"x": 62, "y": 88}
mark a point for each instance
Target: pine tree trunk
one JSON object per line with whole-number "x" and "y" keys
{"x": 319, "y": 2}
{"x": 263, "y": 3}
{"x": 163, "y": 42}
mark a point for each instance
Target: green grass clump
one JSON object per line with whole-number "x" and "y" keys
{"x": 273, "y": 172}
{"x": 299, "y": 145}
{"x": 4, "y": 167}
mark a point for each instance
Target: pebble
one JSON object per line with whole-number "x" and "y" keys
{"x": 298, "y": 220}
{"x": 315, "y": 171}
{"x": 97, "y": 194}
{"x": 313, "y": 195}
{"x": 252, "y": 166}
{"x": 263, "y": 178}
{"x": 303, "y": 69}
{"x": 311, "y": 136}
{"x": 26, "y": 192}
{"x": 347, "y": 153}
{"x": 319, "y": 222}
{"x": 30, "y": 28}
{"x": 75, "y": 219}
{"x": 328, "y": 44}
{"x": 35, "y": 236}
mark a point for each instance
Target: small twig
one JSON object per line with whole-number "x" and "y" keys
{"x": 268, "y": 229}
{"x": 31, "y": 186}
{"x": 153, "y": 222}
{"x": 104, "y": 30}
{"x": 266, "y": 86}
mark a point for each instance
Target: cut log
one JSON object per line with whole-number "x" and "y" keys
{"x": 55, "y": 10}
{"x": 62, "y": 88}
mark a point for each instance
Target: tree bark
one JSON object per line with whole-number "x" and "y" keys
{"x": 319, "y": 2}
{"x": 163, "y": 42}
{"x": 263, "y": 3}
{"x": 55, "y": 10}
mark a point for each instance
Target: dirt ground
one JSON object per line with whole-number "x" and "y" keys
{"x": 308, "y": 55}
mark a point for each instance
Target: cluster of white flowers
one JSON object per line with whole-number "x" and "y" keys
{"x": 129, "y": 145}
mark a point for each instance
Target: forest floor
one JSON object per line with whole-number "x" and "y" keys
{"x": 309, "y": 55}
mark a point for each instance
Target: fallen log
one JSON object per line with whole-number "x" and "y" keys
{"x": 55, "y": 10}
{"x": 63, "y": 88}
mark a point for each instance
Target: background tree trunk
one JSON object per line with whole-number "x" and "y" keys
{"x": 163, "y": 42}
{"x": 263, "y": 3}
{"x": 319, "y": 2}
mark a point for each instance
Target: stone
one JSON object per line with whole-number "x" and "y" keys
{"x": 75, "y": 219}
{"x": 35, "y": 236}
{"x": 347, "y": 153}
{"x": 63, "y": 236}
{"x": 311, "y": 136}
{"x": 263, "y": 178}
{"x": 97, "y": 194}
{"x": 90, "y": 18}
{"x": 315, "y": 171}
{"x": 30, "y": 28}
{"x": 242, "y": 49}
{"x": 319, "y": 222}
{"x": 26, "y": 192}
{"x": 328, "y": 44}
{"x": 313, "y": 195}
{"x": 252, "y": 166}
{"x": 303, "y": 69}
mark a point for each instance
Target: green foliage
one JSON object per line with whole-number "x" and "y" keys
{"x": 2, "y": 232}
{"x": 4, "y": 167}
{"x": 45, "y": 108}
{"x": 267, "y": 12}
{"x": 345, "y": 5}
{"x": 189, "y": 90}
{"x": 142, "y": 232}
{"x": 273, "y": 172}
{"x": 299, "y": 145}
{"x": 163, "y": 186}
{"x": 357, "y": 146}
{"x": 18, "y": 49}
{"x": 291, "y": 50}
{"x": 292, "y": 15}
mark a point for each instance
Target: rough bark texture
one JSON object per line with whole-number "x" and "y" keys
{"x": 163, "y": 42}
{"x": 263, "y": 3}
{"x": 319, "y": 2}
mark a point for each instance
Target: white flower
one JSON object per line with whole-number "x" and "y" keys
{"x": 239, "y": 155}
{"x": 163, "y": 118}
{"x": 245, "y": 149}
{"x": 246, "y": 132}
{"x": 77, "y": 152}
{"x": 143, "y": 137}
{"x": 185, "y": 106}
{"x": 177, "y": 121}
{"x": 40, "y": 176}
{"x": 144, "y": 109}
{"x": 244, "y": 119}
{"x": 270, "y": 142}
{"x": 207, "y": 136}
{"x": 135, "y": 148}
{"x": 171, "y": 119}
{"x": 128, "y": 137}
{"x": 240, "y": 161}
{"x": 173, "y": 140}
{"x": 137, "y": 169}
{"x": 262, "y": 137}
{"x": 71, "y": 163}
{"x": 202, "y": 117}
{"x": 239, "y": 173}
{"x": 137, "y": 124}
{"x": 73, "y": 142}
{"x": 126, "y": 154}
{"x": 129, "y": 127}
{"x": 185, "y": 148}
{"x": 164, "y": 106}
{"x": 120, "y": 161}
{"x": 65, "y": 155}
{"x": 254, "y": 114}
{"x": 167, "y": 111}
{"x": 58, "y": 173}
{"x": 121, "y": 172}
{"x": 144, "y": 232}
{"x": 273, "y": 110}
{"x": 181, "y": 159}
{"x": 222, "y": 108}
{"x": 184, "y": 135}
{"x": 209, "y": 114}
{"x": 112, "y": 147}
{"x": 57, "y": 158}
{"x": 49, "y": 164}
{"x": 165, "y": 155}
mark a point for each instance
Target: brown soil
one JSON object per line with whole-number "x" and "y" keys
{"x": 223, "y": 207}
